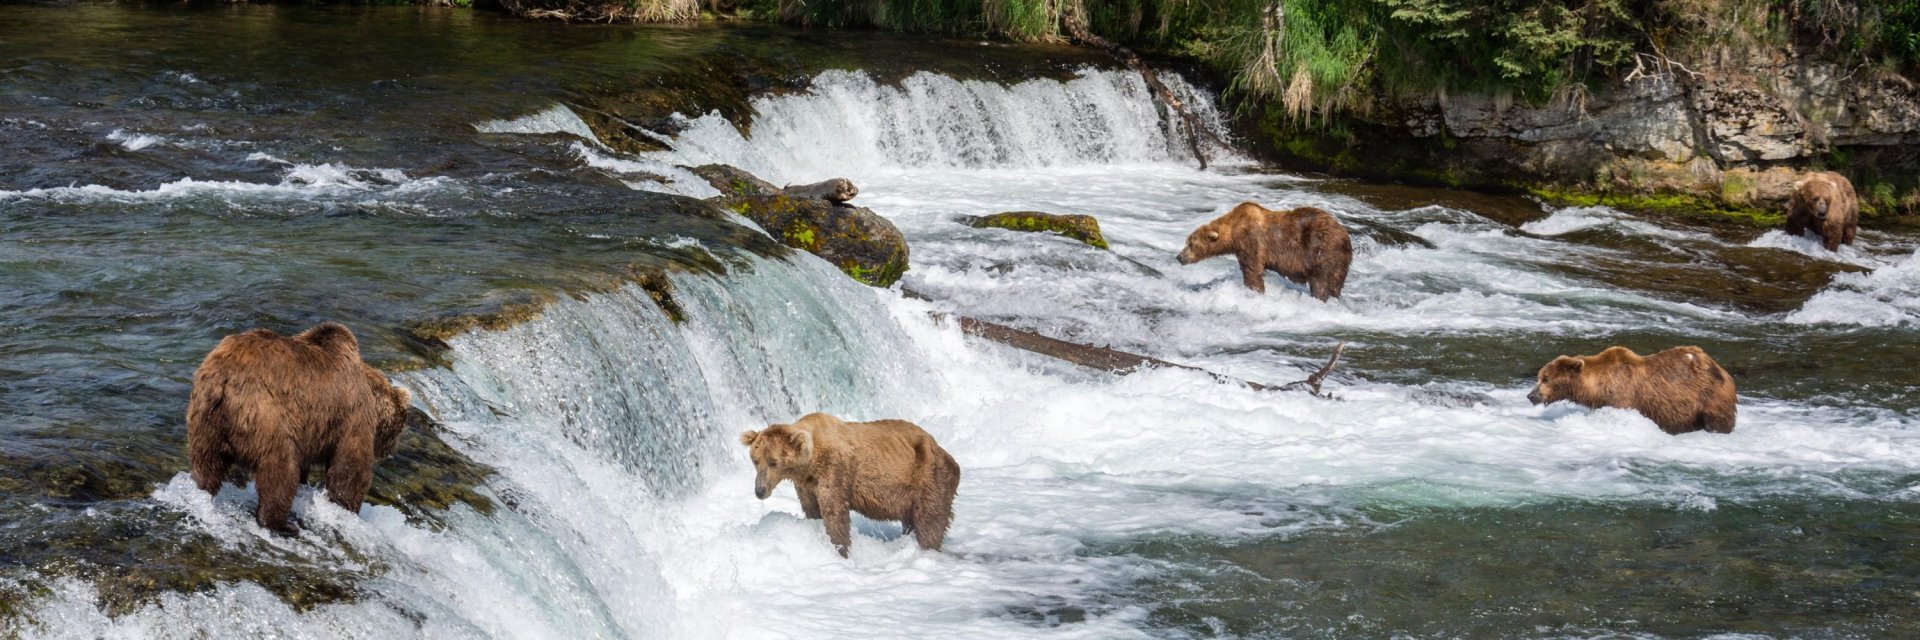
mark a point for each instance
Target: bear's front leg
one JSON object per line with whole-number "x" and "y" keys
{"x": 349, "y": 474}
{"x": 1253, "y": 272}
{"x": 837, "y": 511}
{"x": 809, "y": 503}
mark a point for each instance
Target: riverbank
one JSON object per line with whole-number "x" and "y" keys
{"x": 1707, "y": 109}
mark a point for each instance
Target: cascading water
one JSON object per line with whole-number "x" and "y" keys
{"x": 1162, "y": 503}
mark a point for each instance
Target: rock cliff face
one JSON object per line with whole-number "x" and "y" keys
{"x": 1731, "y": 136}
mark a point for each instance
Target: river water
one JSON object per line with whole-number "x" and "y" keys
{"x": 170, "y": 176}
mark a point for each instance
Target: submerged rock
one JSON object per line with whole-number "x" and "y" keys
{"x": 1079, "y": 227}
{"x": 855, "y": 239}
{"x": 1386, "y": 236}
{"x": 733, "y": 181}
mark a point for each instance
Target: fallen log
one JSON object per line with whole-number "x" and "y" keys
{"x": 1113, "y": 360}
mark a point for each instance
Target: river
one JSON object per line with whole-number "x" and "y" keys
{"x": 171, "y": 175}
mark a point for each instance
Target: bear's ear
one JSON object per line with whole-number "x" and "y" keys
{"x": 804, "y": 442}
{"x": 747, "y": 437}
{"x": 1213, "y": 236}
{"x": 1576, "y": 364}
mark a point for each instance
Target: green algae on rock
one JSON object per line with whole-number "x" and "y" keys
{"x": 1077, "y": 226}
{"x": 858, "y": 241}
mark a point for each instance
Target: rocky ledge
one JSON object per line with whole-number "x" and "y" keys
{"x": 1719, "y": 136}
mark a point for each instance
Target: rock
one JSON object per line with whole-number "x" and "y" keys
{"x": 733, "y": 181}
{"x": 835, "y": 190}
{"x": 1079, "y": 227}
{"x": 1712, "y": 132}
{"x": 855, "y": 239}
{"x": 1386, "y": 236}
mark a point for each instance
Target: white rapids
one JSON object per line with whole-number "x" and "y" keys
{"x": 628, "y": 510}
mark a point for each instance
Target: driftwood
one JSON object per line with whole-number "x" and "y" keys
{"x": 1073, "y": 19}
{"x": 835, "y": 190}
{"x": 1113, "y": 360}
{"x": 1312, "y": 383}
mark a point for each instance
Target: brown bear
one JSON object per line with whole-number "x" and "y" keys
{"x": 276, "y": 405}
{"x": 886, "y": 470}
{"x": 1680, "y": 389}
{"x": 1825, "y": 202}
{"x": 1307, "y": 245}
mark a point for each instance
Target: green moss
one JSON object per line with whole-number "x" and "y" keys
{"x": 800, "y": 235}
{"x": 1735, "y": 188}
{"x": 1681, "y": 205}
{"x": 1079, "y": 227}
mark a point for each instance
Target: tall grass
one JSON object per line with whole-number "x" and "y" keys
{"x": 1322, "y": 57}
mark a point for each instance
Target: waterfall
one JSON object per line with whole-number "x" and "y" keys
{"x": 856, "y": 125}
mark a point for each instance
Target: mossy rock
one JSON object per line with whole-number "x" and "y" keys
{"x": 733, "y": 181}
{"x": 426, "y": 476}
{"x": 1079, "y": 227}
{"x": 860, "y": 242}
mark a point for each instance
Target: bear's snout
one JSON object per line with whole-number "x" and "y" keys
{"x": 1185, "y": 257}
{"x": 1534, "y": 396}
{"x": 759, "y": 491}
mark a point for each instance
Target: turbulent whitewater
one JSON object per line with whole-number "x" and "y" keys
{"x": 1429, "y": 499}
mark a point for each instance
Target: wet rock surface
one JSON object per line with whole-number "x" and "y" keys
{"x": 858, "y": 241}
{"x": 1077, "y": 226}
{"x": 734, "y": 181}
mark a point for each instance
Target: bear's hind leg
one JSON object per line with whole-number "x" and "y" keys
{"x": 928, "y": 524}
{"x": 932, "y": 510}
{"x": 210, "y": 464}
{"x": 276, "y": 477}
{"x": 1717, "y": 420}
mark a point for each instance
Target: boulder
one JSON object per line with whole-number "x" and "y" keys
{"x": 1079, "y": 227}
{"x": 733, "y": 181}
{"x": 855, "y": 239}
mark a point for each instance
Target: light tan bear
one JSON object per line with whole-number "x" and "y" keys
{"x": 279, "y": 404}
{"x": 1826, "y": 204}
{"x": 1680, "y": 389}
{"x": 1306, "y": 245}
{"x": 886, "y": 470}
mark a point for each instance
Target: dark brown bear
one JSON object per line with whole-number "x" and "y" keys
{"x": 277, "y": 405}
{"x": 1306, "y": 245}
{"x": 1680, "y": 389}
{"x": 1826, "y": 204}
{"x": 886, "y": 470}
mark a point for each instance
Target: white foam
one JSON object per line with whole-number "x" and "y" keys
{"x": 1571, "y": 219}
{"x": 1809, "y": 245}
{"x": 135, "y": 141}
{"x": 299, "y": 181}
{"x": 555, "y": 119}
{"x": 1888, "y": 296}
{"x": 848, "y": 124}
